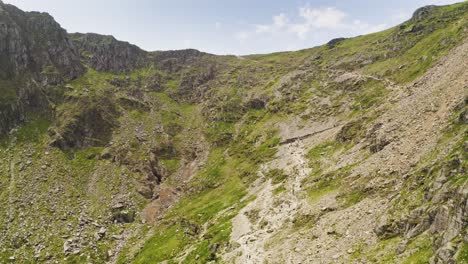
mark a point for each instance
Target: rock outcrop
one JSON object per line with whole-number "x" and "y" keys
{"x": 34, "y": 52}
{"x": 105, "y": 53}
{"x": 33, "y": 43}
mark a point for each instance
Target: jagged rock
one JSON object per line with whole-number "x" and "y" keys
{"x": 258, "y": 102}
{"x": 423, "y": 13}
{"x": 117, "y": 237}
{"x": 154, "y": 83}
{"x": 332, "y": 43}
{"x": 35, "y": 52}
{"x": 91, "y": 124}
{"x": 350, "y": 131}
{"x": 418, "y": 221}
{"x": 67, "y": 246}
{"x": 327, "y": 209}
{"x": 122, "y": 213}
{"x": 105, "y": 53}
{"x": 191, "y": 86}
{"x": 388, "y": 228}
{"x": 146, "y": 191}
{"x": 214, "y": 148}
{"x": 463, "y": 119}
{"x": 105, "y": 154}
{"x": 119, "y": 82}
{"x": 445, "y": 254}
{"x": 337, "y": 256}
{"x": 172, "y": 59}
{"x": 36, "y": 43}
{"x": 101, "y": 233}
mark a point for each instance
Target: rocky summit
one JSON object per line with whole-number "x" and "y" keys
{"x": 350, "y": 152}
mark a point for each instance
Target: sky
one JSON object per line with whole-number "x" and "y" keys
{"x": 236, "y": 27}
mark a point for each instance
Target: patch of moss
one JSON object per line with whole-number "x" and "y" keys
{"x": 164, "y": 245}
{"x": 33, "y": 130}
{"x": 7, "y": 92}
{"x": 325, "y": 149}
{"x": 352, "y": 197}
{"x": 279, "y": 190}
{"x": 276, "y": 176}
{"x": 463, "y": 253}
{"x": 423, "y": 251}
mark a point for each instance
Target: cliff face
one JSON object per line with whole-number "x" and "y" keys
{"x": 35, "y": 52}
{"x": 34, "y": 43}
{"x": 105, "y": 53}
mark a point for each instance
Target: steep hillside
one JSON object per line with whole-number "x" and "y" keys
{"x": 351, "y": 152}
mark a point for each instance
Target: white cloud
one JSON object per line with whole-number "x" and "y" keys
{"x": 308, "y": 19}
{"x": 187, "y": 43}
{"x": 300, "y": 30}
{"x": 444, "y": 2}
{"x": 328, "y": 17}
{"x": 242, "y": 36}
{"x": 306, "y": 27}
{"x": 280, "y": 20}
{"x": 279, "y": 23}
{"x": 400, "y": 15}
{"x": 264, "y": 29}
{"x": 359, "y": 27}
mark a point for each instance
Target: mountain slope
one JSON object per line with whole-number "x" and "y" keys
{"x": 351, "y": 152}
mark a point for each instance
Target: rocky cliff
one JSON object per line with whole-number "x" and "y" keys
{"x": 105, "y": 53}
{"x": 35, "y": 52}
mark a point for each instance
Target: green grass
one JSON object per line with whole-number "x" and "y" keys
{"x": 164, "y": 245}
{"x": 7, "y": 92}
{"x": 383, "y": 252}
{"x": 421, "y": 57}
{"x": 318, "y": 183}
{"x": 220, "y": 187}
{"x": 369, "y": 96}
{"x": 92, "y": 80}
{"x": 33, "y": 130}
{"x": 196, "y": 209}
{"x": 279, "y": 189}
{"x": 352, "y": 197}
{"x": 438, "y": 37}
{"x": 240, "y": 139}
{"x": 325, "y": 149}
{"x": 276, "y": 176}
{"x": 423, "y": 251}
{"x": 463, "y": 255}
{"x": 324, "y": 185}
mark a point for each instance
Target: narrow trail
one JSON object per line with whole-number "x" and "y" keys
{"x": 11, "y": 187}
{"x": 356, "y": 75}
{"x": 274, "y": 211}
{"x": 413, "y": 123}
{"x": 126, "y": 235}
{"x": 294, "y": 139}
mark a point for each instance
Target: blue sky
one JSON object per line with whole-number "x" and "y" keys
{"x": 227, "y": 26}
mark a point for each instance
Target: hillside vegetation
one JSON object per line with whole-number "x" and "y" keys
{"x": 350, "y": 152}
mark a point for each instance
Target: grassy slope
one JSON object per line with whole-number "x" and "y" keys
{"x": 413, "y": 54}
{"x": 242, "y": 140}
